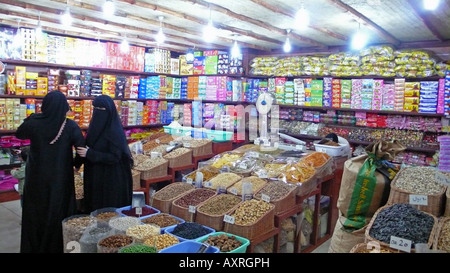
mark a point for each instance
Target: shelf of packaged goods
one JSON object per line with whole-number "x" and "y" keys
{"x": 104, "y": 70}
{"x": 317, "y": 108}
{"x": 429, "y": 149}
{"x": 368, "y": 77}
{"x": 83, "y": 128}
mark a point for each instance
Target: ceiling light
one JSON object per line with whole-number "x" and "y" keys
{"x": 160, "y": 37}
{"x": 66, "y": 18}
{"x": 235, "y": 51}
{"x": 209, "y": 32}
{"x": 190, "y": 56}
{"x": 359, "y": 40}
{"x": 124, "y": 46}
{"x": 108, "y": 8}
{"x": 287, "y": 44}
{"x": 302, "y": 18}
{"x": 38, "y": 29}
{"x": 430, "y": 4}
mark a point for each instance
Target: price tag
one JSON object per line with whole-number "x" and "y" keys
{"x": 192, "y": 209}
{"x": 187, "y": 145}
{"x": 415, "y": 199}
{"x": 234, "y": 191}
{"x": 265, "y": 198}
{"x": 400, "y": 244}
{"x": 443, "y": 179}
{"x": 303, "y": 132}
{"x": 190, "y": 181}
{"x": 228, "y": 219}
{"x": 158, "y": 141}
{"x": 263, "y": 175}
{"x": 154, "y": 155}
{"x": 321, "y": 150}
{"x": 139, "y": 210}
{"x": 208, "y": 184}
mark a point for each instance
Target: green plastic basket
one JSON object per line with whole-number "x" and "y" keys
{"x": 219, "y": 136}
{"x": 177, "y": 131}
{"x": 241, "y": 249}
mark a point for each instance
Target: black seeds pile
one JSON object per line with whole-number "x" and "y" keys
{"x": 404, "y": 221}
{"x": 190, "y": 230}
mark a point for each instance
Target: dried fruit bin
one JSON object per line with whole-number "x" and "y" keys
{"x": 188, "y": 247}
{"x": 205, "y": 147}
{"x": 207, "y": 230}
{"x": 385, "y": 223}
{"x": 179, "y": 157}
{"x": 181, "y": 205}
{"x": 215, "y": 220}
{"x": 435, "y": 201}
{"x": 208, "y": 172}
{"x": 113, "y": 243}
{"x": 257, "y": 185}
{"x": 162, "y": 199}
{"x": 250, "y": 231}
{"x": 160, "y": 170}
{"x": 73, "y": 228}
{"x": 146, "y": 211}
{"x": 241, "y": 249}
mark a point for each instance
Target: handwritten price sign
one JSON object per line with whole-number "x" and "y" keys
{"x": 400, "y": 244}
{"x": 421, "y": 200}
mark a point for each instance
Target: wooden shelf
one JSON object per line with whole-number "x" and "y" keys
{"x": 84, "y": 129}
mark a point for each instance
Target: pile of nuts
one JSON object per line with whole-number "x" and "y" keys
{"x": 74, "y": 227}
{"x": 419, "y": 180}
{"x": 123, "y": 223}
{"x": 149, "y": 163}
{"x": 176, "y": 153}
{"x": 208, "y": 173}
{"x": 161, "y": 241}
{"x": 161, "y": 219}
{"x": 219, "y": 204}
{"x": 173, "y": 190}
{"x": 224, "y": 242}
{"x": 276, "y": 190}
{"x": 257, "y": 184}
{"x": 107, "y": 215}
{"x": 194, "y": 197}
{"x": 224, "y": 180}
{"x": 111, "y": 244}
{"x": 160, "y": 149}
{"x": 250, "y": 211}
{"x": 142, "y": 232}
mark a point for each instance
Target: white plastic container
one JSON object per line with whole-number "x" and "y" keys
{"x": 342, "y": 150}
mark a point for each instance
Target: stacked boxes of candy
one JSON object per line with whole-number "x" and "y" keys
{"x": 279, "y": 90}
{"x": 317, "y": 93}
{"x": 357, "y": 87}
{"x": 289, "y": 93}
{"x": 308, "y": 83}
{"x": 388, "y": 97}
{"x": 412, "y": 97}
{"x": 346, "y": 93}
{"x": 377, "y": 100}
{"x": 444, "y": 154}
{"x": 447, "y": 94}
{"x": 327, "y": 92}
{"x": 399, "y": 94}
{"x": 441, "y": 91}
{"x": 299, "y": 92}
{"x": 367, "y": 94}
{"x": 336, "y": 93}
{"x": 429, "y": 91}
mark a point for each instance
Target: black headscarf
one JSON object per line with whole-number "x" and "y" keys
{"x": 106, "y": 123}
{"x": 54, "y": 109}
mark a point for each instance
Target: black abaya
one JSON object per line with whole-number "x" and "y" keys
{"x": 49, "y": 192}
{"x": 108, "y": 181}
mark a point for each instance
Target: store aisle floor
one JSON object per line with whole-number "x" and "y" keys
{"x": 10, "y": 218}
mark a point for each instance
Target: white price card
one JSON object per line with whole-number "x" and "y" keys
{"x": 154, "y": 155}
{"x": 208, "y": 184}
{"x": 265, "y": 198}
{"x": 192, "y": 209}
{"x": 187, "y": 144}
{"x": 263, "y": 175}
{"x": 443, "y": 179}
{"x": 400, "y": 244}
{"x": 228, "y": 219}
{"x": 190, "y": 181}
{"x": 234, "y": 191}
{"x": 415, "y": 199}
{"x": 139, "y": 210}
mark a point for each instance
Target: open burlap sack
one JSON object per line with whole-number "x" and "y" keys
{"x": 365, "y": 184}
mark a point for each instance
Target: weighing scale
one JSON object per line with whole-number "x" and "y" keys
{"x": 263, "y": 105}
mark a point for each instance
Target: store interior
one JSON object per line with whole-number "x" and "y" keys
{"x": 318, "y": 118}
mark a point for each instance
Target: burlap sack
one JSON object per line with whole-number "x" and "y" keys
{"x": 365, "y": 184}
{"x": 343, "y": 241}
{"x": 447, "y": 202}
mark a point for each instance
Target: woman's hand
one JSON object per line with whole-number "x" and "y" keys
{"x": 82, "y": 151}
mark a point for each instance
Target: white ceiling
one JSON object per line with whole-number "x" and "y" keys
{"x": 261, "y": 25}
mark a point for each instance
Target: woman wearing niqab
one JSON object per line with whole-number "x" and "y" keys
{"x": 108, "y": 181}
{"x": 49, "y": 192}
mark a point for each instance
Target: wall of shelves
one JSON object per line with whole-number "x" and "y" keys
{"x": 42, "y": 66}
